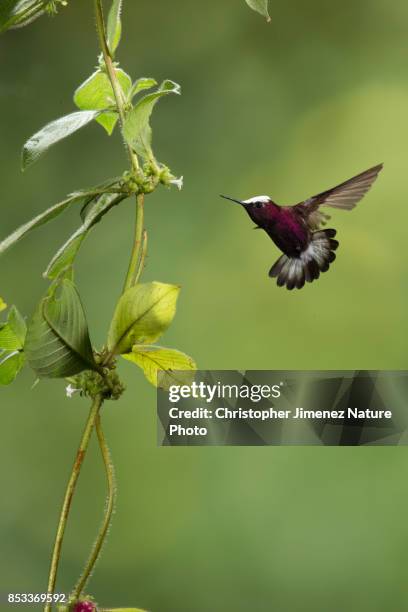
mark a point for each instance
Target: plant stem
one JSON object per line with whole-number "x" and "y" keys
{"x": 110, "y": 502}
{"x": 133, "y": 274}
{"x": 117, "y": 90}
{"x": 83, "y": 447}
{"x": 142, "y": 259}
{"x": 136, "y": 262}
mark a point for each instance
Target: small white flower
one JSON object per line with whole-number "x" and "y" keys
{"x": 178, "y": 182}
{"x": 70, "y": 390}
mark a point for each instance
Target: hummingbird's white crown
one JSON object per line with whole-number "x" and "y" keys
{"x": 264, "y": 199}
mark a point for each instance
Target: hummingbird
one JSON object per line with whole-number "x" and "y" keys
{"x": 297, "y": 231}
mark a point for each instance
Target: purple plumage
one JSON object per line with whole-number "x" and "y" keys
{"x": 296, "y": 230}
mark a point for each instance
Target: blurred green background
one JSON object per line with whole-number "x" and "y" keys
{"x": 287, "y": 109}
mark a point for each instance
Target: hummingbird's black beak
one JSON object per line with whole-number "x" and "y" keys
{"x": 232, "y": 199}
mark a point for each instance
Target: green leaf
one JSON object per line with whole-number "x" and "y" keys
{"x": 43, "y": 218}
{"x": 3, "y": 305}
{"x": 57, "y": 343}
{"x": 114, "y": 29}
{"x": 8, "y": 339}
{"x": 142, "y": 315}
{"x": 13, "y": 333}
{"x": 96, "y": 93}
{"x": 53, "y": 132}
{"x": 261, "y": 6}
{"x": 18, "y": 13}
{"x": 140, "y": 85}
{"x": 137, "y": 130}
{"x": 12, "y": 339}
{"x": 10, "y": 365}
{"x": 17, "y": 324}
{"x": 95, "y": 210}
{"x": 163, "y": 367}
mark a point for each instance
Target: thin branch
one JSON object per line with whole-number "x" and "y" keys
{"x": 69, "y": 493}
{"x": 142, "y": 259}
{"x": 134, "y": 266}
{"x": 110, "y": 503}
{"x": 134, "y": 269}
{"x": 117, "y": 90}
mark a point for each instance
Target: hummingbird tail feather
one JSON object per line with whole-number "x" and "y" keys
{"x": 317, "y": 257}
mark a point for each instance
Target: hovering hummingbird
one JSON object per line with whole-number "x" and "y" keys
{"x": 296, "y": 230}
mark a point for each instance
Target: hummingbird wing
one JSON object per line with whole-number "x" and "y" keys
{"x": 345, "y": 197}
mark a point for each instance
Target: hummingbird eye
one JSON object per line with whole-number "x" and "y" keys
{"x": 258, "y": 204}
